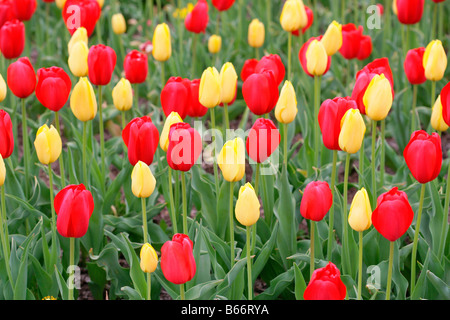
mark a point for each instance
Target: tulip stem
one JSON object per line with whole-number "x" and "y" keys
{"x": 163, "y": 76}
{"x": 149, "y": 286}
{"x": 316, "y": 118}
{"x": 249, "y": 266}
{"x": 433, "y": 28}
{"x": 144, "y": 219}
{"x": 102, "y": 134}
{"x": 345, "y": 263}
{"x": 331, "y": 219}
{"x": 226, "y": 116}
{"x": 433, "y": 93}
{"x": 194, "y": 54}
{"x": 257, "y": 174}
{"x": 285, "y": 144}
{"x": 182, "y": 292}
{"x": 61, "y": 159}
{"x": 213, "y": 127}
{"x": 360, "y": 264}
{"x": 180, "y": 31}
{"x": 172, "y": 203}
{"x": 231, "y": 224}
{"x": 25, "y": 147}
{"x": 4, "y": 216}
{"x": 445, "y": 217}
{"x": 383, "y": 151}
{"x": 184, "y": 199}
{"x": 289, "y": 55}
{"x": 374, "y": 182}
{"x": 124, "y": 121}
{"x": 5, "y": 241}
{"x": 50, "y": 179}
{"x": 414, "y": 104}
{"x": 389, "y": 279}
{"x": 85, "y": 176}
{"x": 71, "y": 266}
{"x": 416, "y": 238}
{"x": 136, "y": 96}
{"x": 311, "y": 241}
{"x": 361, "y": 166}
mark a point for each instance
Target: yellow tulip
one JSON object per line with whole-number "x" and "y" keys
{"x": 247, "y": 206}
{"x": 256, "y": 33}
{"x": 48, "y": 144}
{"x": 316, "y": 58}
{"x": 2, "y": 171}
{"x": 142, "y": 180}
{"x": 60, "y": 3}
{"x": 352, "y": 133}
{"x": 173, "y": 118}
{"x": 360, "y": 215}
{"x": 162, "y": 48}
{"x": 378, "y": 98}
{"x": 394, "y": 7}
{"x": 123, "y": 95}
{"x": 293, "y": 16}
{"x": 82, "y": 101}
{"x": 231, "y": 160}
{"x": 332, "y": 39}
{"x": 286, "y": 108}
{"x": 119, "y": 25}
{"x": 3, "y": 89}
{"x": 101, "y": 3}
{"x": 210, "y": 90}
{"x": 149, "y": 258}
{"x": 228, "y": 83}
{"x": 80, "y": 35}
{"x": 78, "y": 60}
{"x": 434, "y": 61}
{"x": 214, "y": 43}
{"x": 437, "y": 121}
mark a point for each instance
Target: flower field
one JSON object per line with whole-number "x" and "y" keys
{"x": 224, "y": 150}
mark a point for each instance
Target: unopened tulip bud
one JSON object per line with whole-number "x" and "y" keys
{"x": 434, "y": 61}
{"x": 142, "y": 180}
{"x": 316, "y": 58}
{"x": 78, "y": 60}
{"x": 231, "y": 160}
{"x": 286, "y": 108}
{"x": 2, "y": 171}
{"x": 123, "y": 95}
{"x": 214, "y": 43}
{"x": 293, "y": 17}
{"x": 3, "y": 88}
{"x": 173, "y": 118}
{"x": 437, "y": 120}
{"x": 119, "y": 25}
{"x": 228, "y": 83}
{"x": 247, "y": 206}
{"x": 149, "y": 258}
{"x": 256, "y": 33}
{"x": 83, "y": 102}
{"x": 162, "y": 47}
{"x": 378, "y": 98}
{"x": 352, "y": 133}
{"x": 332, "y": 39}
{"x": 210, "y": 90}
{"x": 48, "y": 144}
{"x": 60, "y": 3}
{"x": 360, "y": 215}
{"x": 79, "y": 35}
{"x": 101, "y": 3}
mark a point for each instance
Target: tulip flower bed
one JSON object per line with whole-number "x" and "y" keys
{"x": 224, "y": 150}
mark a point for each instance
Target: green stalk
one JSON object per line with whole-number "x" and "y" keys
{"x": 26, "y": 150}
{"x": 316, "y": 118}
{"x": 231, "y": 222}
{"x": 311, "y": 255}
{"x": 416, "y": 238}
{"x": 345, "y": 263}
{"x": 5, "y": 217}
{"x": 150, "y": 9}
{"x": 5, "y": 242}
{"x": 361, "y": 166}
{"x": 85, "y": 175}
{"x": 61, "y": 159}
{"x": 414, "y": 105}
{"x": 180, "y": 32}
{"x": 257, "y": 174}
{"x": 213, "y": 127}
{"x": 445, "y": 218}
{"x": 360, "y": 265}
{"x": 433, "y": 26}
{"x": 389, "y": 279}
{"x": 124, "y": 121}
{"x": 257, "y": 53}
{"x": 343, "y": 6}
{"x": 102, "y": 133}
{"x": 194, "y": 54}
{"x": 249, "y": 267}
{"x": 289, "y": 55}
{"x": 285, "y": 144}
{"x": 226, "y": 116}
{"x": 136, "y": 96}
{"x": 54, "y": 251}
{"x": 441, "y": 23}
{"x": 331, "y": 219}
{"x": 71, "y": 264}
{"x": 183, "y": 195}
{"x": 374, "y": 182}
{"x": 149, "y": 286}
{"x": 172, "y": 203}
{"x": 182, "y": 291}
{"x": 433, "y": 93}
{"x": 144, "y": 219}
{"x": 383, "y": 151}
{"x": 163, "y": 76}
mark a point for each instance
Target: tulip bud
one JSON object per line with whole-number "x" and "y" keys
{"x": 316, "y": 58}
{"x": 60, "y": 3}
{"x": 210, "y": 89}
{"x": 360, "y": 215}
{"x": 3, "y": 89}
{"x": 123, "y": 95}
{"x": 12, "y": 39}
{"x": 437, "y": 119}
{"x": 83, "y": 102}
{"x": 136, "y": 66}
{"x": 101, "y": 3}
{"x": 175, "y": 96}
{"x": 445, "y": 102}
{"x": 247, "y": 206}
{"x": 185, "y": 147}
{"x": 149, "y": 258}
{"x": 142, "y": 180}
{"x": 228, "y": 83}
{"x": 6, "y": 135}
{"x": 197, "y": 20}
{"x": 352, "y": 133}
{"x": 293, "y": 15}
{"x": 273, "y": 63}
{"x": 79, "y": 35}
{"x": 119, "y": 25}
{"x": 326, "y": 284}
{"x": 48, "y": 144}
{"x": 286, "y": 108}
{"x": 78, "y": 59}
{"x": 316, "y": 201}
{"x": 101, "y": 63}
{"x": 256, "y": 33}
{"x": 86, "y": 15}
{"x": 2, "y": 171}
{"x": 231, "y": 160}
{"x": 162, "y": 48}
{"x": 21, "y": 78}
{"x": 332, "y": 39}
{"x": 177, "y": 259}
{"x": 378, "y": 98}
{"x": 214, "y": 43}
{"x": 434, "y": 61}
{"x": 53, "y": 88}
{"x": 263, "y": 139}
{"x": 173, "y": 118}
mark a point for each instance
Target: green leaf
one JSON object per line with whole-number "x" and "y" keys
{"x": 439, "y": 285}
{"x": 300, "y": 284}
{"x": 202, "y": 291}
{"x": 20, "y": 289}
{"x": 265, "y": 253}
{"x": 136, "y": 274}
{"x": 277, "y": 285}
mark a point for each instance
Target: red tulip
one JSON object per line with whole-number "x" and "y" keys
{"x": 195, "y": 108}
{"x": 185, "y": 146}
{"x": 6, "y": 135}
{"x": 351, "y": 39}
{"x": 365, "y": 75}
{"x": 263, "y": 139}
{"x": 222, "y": 5}
{"x": 413, "y": 66}
{"x": 74, "y": 206}
{"x": 197, "y": 20}
{"x": 272, "y": 62}
{"x": 12, "y": 39}
{"x": 410, "y": 11}
{"x": 423, "y": 156}
{"x": 326, "y": 284}
{"x": 21, "y": 78}
{"x": 141, "y": 138}
{"x": 393, "y": 214}
{"x": 53, "y": 88}
{"x": 86, "y": 11}
{"x": 6, "y": 11}
{"x": 136, "y": 66}
{"x": 445, "y": 100}
{"x": 24, "y": 9}
{"x": 438, "y": 1}
{"x": 330, "y": 115}
{"x": 302, "y": 56}
{"x": 365, "y": 48}
{"x": 175, "y": 96}
{"x": 380, "y": 9}
{"x": 310, "y": 16}
{"x": 260, "y": 91}
{"x": 316, "y": 201}
{"x": 177, "y": 259}
{"x": 249, "y": 68}
{"x": 101, "y": 63}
